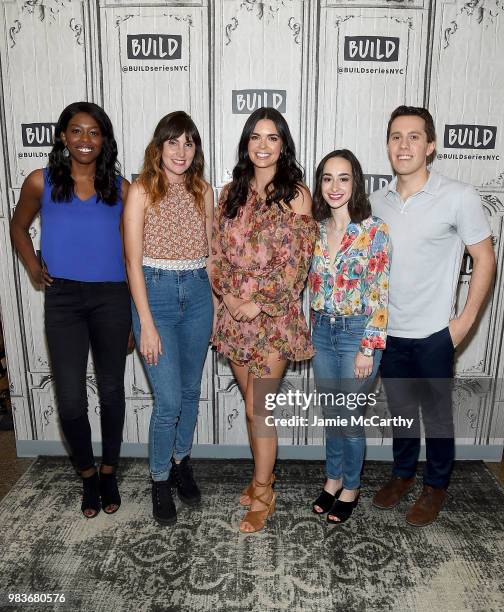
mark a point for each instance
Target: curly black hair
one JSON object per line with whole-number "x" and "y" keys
{"x": 359, "y": 207}
{"x": 107, "y": 166}
{"x": 289, "y": 174}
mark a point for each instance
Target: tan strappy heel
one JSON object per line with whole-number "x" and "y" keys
{"x": 257, "y": 518}
{"x": 248, "y": 490}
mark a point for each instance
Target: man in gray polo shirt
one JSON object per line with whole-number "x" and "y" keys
{"x": 431, "y": 219}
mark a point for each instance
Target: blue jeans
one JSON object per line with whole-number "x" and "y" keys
{"x": 336, "y": 340}
{"x": 181, "y": 305}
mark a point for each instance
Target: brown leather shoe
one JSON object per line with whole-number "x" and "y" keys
{"x": 390, "y": 494}
{"x": 426, "y": 508}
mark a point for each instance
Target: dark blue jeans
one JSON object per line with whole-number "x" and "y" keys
{"x": 418, "y": 372}
{"x": 181, "y": 305}
{"x": 77, "y": 315}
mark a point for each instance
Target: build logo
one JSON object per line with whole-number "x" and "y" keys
{"x": 37, "y": 134}
{"x": 154, "y": 46}
{"x": 246, "y": 101}
{"x": 467, "y": 265}
{"x": 373, "y": 182}
{"x": 371, "y": 49}
{"x": 462, "y": 136}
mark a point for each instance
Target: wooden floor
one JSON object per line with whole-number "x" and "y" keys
{"x": 498, "y": 470}
{"x": 12, "y": 468}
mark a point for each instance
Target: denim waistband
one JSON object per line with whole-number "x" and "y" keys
{"x": 157, "y": 273}
{"x": 342, "y": 321}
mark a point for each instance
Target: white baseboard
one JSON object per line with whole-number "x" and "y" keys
{"x": 34, "y": 448}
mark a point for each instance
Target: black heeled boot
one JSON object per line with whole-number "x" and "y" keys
{"x": 109, "y": 492}
{"x": 91, "y": 495}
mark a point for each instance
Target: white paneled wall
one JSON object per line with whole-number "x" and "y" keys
{"x": 335, "y": 69}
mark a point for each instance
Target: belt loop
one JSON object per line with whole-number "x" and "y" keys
{"x": 344, "y": 322}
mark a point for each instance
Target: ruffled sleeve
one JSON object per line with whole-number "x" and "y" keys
{"x": 220, "y": 267}
{"x": 375, "y": 297}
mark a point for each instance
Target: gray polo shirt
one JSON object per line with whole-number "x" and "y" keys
{"x": 428, "y": 233}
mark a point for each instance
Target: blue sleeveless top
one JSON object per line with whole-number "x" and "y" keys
{"x": 81, "y": 239}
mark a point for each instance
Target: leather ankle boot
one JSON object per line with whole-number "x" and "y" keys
{"x": 182, "y": 478}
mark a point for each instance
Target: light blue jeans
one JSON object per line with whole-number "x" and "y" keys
{"x": 336, "y": 340}
{"x": 181, "y": 305}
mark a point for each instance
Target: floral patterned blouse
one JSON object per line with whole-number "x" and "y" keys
{"x": 356, "y": 283}
{"x": 262, "y": 255}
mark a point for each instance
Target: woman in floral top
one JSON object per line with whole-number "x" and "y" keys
{"x": 263, "y": 241}
{"x": 349, "y": 294}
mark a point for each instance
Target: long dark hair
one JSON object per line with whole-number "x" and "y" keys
{"x": 107, "y": 166}
{"x": 288, "y": 177}
{"x": 359, "y": 207}
{"x": 152, "y": 177}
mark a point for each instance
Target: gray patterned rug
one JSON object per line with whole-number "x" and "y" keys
{"x": 375, "y": 561}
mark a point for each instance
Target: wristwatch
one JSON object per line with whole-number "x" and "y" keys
{"x": 367, "y": 352}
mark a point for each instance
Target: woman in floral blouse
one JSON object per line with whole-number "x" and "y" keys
{"x": 349, "y": 294}
{"x": 263, "y": 241}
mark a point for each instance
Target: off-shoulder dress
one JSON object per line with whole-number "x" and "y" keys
{"x": 263, "y": 255}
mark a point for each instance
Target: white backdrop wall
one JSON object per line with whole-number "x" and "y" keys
{"x": 335, "y": 69}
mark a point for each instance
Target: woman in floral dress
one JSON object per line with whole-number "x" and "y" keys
{"x": 349, "y": 296}
{"x": 263, "y": 241}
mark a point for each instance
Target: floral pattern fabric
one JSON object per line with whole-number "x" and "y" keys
{"x": 356, "y": 283}
{"x": 175, "y": 228}
{"x": 263, "y": 255}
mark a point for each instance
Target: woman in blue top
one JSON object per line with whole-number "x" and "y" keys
{"x": 79, "y": 196}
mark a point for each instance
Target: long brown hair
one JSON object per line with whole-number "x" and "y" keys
{"x": 359, "y": 207}
{"x": 153, "y": 179}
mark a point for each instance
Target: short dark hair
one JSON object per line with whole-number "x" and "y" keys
{"x": 358, "y": 206}
{"x": 417, "y": 111}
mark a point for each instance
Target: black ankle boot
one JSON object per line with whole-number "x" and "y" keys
{"x": 109, "y": 492}
{"x": 163, "y": 507}
{"x": 182, "y": 478}
{"x": 90, "y": 495}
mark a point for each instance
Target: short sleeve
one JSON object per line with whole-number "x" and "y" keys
{"x": 471, "y": 221}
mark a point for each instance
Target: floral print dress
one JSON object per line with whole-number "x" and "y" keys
{"x": 263, "y": 255}
{"x": 356, "y": 283}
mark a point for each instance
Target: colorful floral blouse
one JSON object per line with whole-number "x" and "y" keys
{"x": 262, "y": 255}
{"x": 356, "y": 283}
